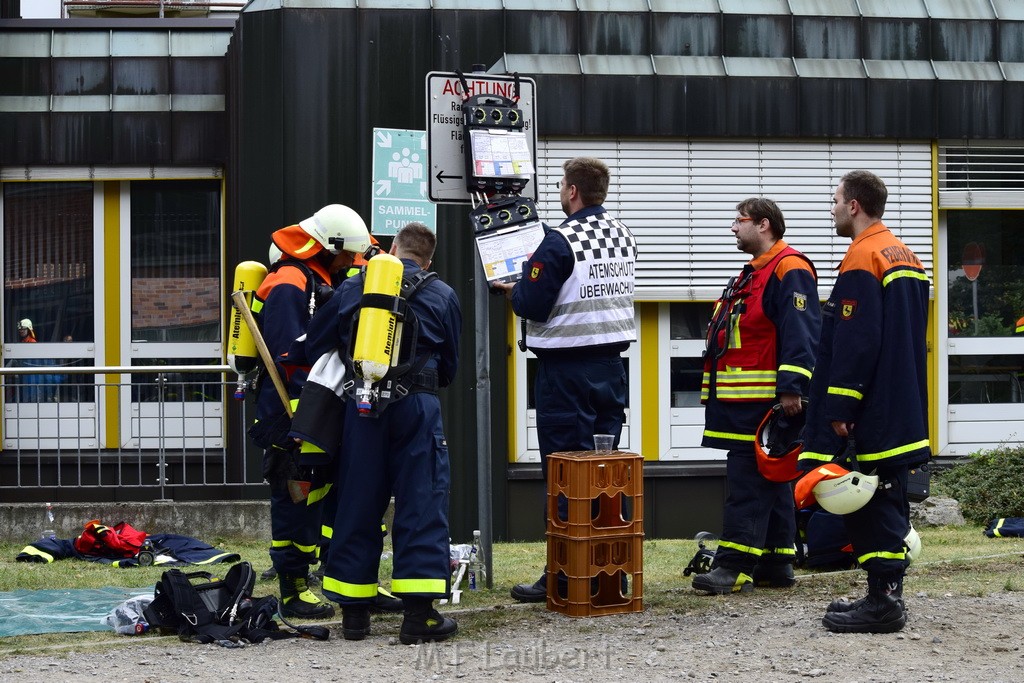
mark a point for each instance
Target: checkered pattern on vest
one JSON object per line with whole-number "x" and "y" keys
{"x": 591, "y": 241}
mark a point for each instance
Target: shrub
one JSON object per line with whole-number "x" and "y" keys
{"x": 989, "y": 484}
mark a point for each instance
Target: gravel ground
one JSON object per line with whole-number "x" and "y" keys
{"x": 764, "y": 636}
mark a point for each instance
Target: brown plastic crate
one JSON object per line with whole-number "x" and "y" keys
{"x": 603, "y": 493}
{"x": 593, "y": 570}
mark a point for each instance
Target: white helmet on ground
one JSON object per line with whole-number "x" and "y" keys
{"x": 338, "y": 228}
{"x": 913, "y": 543}
{"x": 846, "y": 494}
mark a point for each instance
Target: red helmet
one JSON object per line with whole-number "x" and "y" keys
{"x": 777, "y": 443}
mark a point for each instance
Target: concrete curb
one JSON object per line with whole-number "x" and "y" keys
{"x": 207, "y": 520}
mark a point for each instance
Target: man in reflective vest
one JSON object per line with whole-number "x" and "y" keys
{"x": 760, "y": 351}
{"x": 576, "y": 295}
{"x": 871, "y": 382}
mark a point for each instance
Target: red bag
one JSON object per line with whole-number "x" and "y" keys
{"x": 121, "y": 540}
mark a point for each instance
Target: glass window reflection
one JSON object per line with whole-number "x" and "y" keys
{"x": 986, "y": 273}
{"x": 175, "y": 261}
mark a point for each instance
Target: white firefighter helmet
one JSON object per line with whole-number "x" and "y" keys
{"x": 25, "y": 324}
{"x": 338, "y": 228}
{"x": 845, "y": 494}
{"x": 913, "y": 542}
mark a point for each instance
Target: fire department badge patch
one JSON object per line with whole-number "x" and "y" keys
{"x": 799, "y": 301}
{"x": 847, "y": 308}
{"x": 535, "y": 270}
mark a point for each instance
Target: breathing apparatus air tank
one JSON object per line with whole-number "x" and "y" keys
{"x": 242, "y": 355}
{"x": 379, "y": 334}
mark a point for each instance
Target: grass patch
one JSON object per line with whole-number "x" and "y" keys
{"x": 955, "y": 561}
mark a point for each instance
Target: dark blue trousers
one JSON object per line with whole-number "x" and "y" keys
{"x": 877, "y": 530}
{"x": 403, "y": 452}
{"x": 294, "y": 532}
{"x": 758, "y": 520}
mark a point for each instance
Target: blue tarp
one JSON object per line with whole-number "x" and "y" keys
{"x": 70, "y": 610}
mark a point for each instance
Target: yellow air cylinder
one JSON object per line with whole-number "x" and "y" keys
{"x": 242, "y": 354}
{"x": 379, "y": 333}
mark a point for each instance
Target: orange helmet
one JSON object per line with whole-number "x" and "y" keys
{"x": 777, "y": 444}
{"x": 835, "y": 488}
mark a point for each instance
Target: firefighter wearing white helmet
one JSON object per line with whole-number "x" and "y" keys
{"x": 870, "y": 381}
{"x": 315, "y": 253}
{"x": 338, "y": 228}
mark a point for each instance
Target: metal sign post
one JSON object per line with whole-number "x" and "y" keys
{"x": 448, "y": 166}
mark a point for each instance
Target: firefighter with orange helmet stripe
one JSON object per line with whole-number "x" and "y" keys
{"x": 314, "y": 252}
{"x": 870, "y": 381}
{"x": 760, "y": 351}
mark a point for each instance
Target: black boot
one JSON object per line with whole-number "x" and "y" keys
{"x": 881, "y": 611}
{"x": 423, "y": 623}
{"x": 298, "y": 601}
{"x": 720, "y": 580}
{"x": 532, "y": 592}
{"x": 844, "y": 605}
{"x": 385, "y": 602}
{"x": 774, "y": 575}
{"x": 355, "y": 622}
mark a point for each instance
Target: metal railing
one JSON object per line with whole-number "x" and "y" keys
{"x": 151, "y": 430}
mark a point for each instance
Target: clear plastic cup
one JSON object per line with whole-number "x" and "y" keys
{"x": 603, "y": 443}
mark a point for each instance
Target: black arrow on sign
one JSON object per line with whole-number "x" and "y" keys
{"x": 441, "y": 176}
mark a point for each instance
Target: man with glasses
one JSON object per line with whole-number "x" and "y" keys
{"x": 576, "y": 295}
{"x": 760, "y": 351}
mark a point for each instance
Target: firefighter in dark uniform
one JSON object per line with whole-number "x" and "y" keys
{"x": 401, "y": 451}
{"x": 576, "y": 295}
{"x": 760, "y": 351}
{"x": 870, "y": 382}
{"x": 326, "y": 494}
{"x": 314, "y": 252}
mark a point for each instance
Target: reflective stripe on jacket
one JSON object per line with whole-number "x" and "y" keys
{"x": 871, "y": 369}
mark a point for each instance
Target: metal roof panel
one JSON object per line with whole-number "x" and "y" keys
{"x": 754, "y": 7}
{"x": 904, "y": 69}
{"x": 668, "y": 65}
{"x": 825, "y": 8}
{"x": 759, "y": 67}
{"x": 617, "y": 65}
{"x": 542, "y": 64}
{"x": 830, "y": 68}
{"x": 967, "y": 71}
{"x": 903, "y": 9}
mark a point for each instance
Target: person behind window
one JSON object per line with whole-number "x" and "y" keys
{"x": 26, "y": 332}
{"x": 34, "y": 388}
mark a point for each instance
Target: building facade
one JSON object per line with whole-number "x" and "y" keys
{"x": 140, "y": 159}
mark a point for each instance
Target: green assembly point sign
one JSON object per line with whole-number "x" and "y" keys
{"x": 400, "y": 181}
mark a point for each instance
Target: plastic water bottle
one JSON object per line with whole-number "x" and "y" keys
{"x": 48, "y": 531}
{"x": 476, "y": 565}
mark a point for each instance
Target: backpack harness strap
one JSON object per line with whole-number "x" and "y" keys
{"x": 409, "y": 376}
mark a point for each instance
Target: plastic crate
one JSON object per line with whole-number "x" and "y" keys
{"x": 601, "y": 574}
{"x": 598, "y": 494}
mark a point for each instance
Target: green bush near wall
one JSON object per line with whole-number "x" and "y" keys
{"x": 987, "y": 484}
